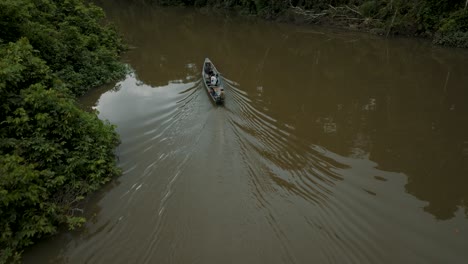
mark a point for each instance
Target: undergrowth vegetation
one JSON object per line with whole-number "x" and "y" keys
{"x": 445, "y": 21}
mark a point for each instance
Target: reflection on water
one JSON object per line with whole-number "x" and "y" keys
{"x": 332, "y": 147}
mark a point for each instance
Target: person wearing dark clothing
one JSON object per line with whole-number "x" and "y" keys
{"x": 208, "y": 68}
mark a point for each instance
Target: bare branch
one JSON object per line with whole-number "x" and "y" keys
{"x": 391, "y": 25}
{"x": 309, "y": 15}
{"x": 353, "y": 10}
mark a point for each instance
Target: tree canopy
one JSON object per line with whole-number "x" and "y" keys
{"x": 52, "y": 153}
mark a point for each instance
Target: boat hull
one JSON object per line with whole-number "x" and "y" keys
{"x": 216, "y": 92}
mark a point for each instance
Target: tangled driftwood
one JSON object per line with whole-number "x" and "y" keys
{"x": 342, "y": 13}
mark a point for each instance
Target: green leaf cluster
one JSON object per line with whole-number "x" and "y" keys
{"x": 72, "y": 37}
{"x": 52, "y": 153}
{"x": 454, "y": 30}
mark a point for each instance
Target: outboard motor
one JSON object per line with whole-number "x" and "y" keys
{"x": 221, "y": 94}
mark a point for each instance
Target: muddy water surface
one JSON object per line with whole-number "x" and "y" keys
{"x": 332, "y": 147}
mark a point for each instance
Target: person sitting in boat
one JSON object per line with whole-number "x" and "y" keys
{"x": 214, "y": 80}
{"x": 208, "y": 69}
{"x": 212, "y": 91}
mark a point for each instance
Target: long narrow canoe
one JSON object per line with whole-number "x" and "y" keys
{"x": 215, "y": 89}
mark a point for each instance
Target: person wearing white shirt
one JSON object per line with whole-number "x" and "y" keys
{"x": 214, "y": 80}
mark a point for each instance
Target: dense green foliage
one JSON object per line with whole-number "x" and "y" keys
{"x": 52, "y": 153}
{"x": 70, "y": 36}
{"x": 446, "y": 21}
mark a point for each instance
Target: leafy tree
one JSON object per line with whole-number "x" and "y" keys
{"x": 51, "y": 152}
{"x": 71, "y": 36}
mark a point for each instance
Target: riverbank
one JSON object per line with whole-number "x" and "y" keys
{"x": 444, "y": 22}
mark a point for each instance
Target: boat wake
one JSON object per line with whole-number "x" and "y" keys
{"x": 236, "y": 179}
{"x": 290, "y": 176}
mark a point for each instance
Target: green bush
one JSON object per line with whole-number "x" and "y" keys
{"x": 369, "y": 8}
{"x": 71, "y": 36}
{"x": 457, "y": 21}
{"x": 51, "y": 152}
{"x": 455, "y": 39}
{"x": 453, "y": 30}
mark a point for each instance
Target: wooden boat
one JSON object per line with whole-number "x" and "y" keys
{"x": 215, "y": 90}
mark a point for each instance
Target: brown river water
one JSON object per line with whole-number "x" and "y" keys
{"x": 332, "y": 147}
